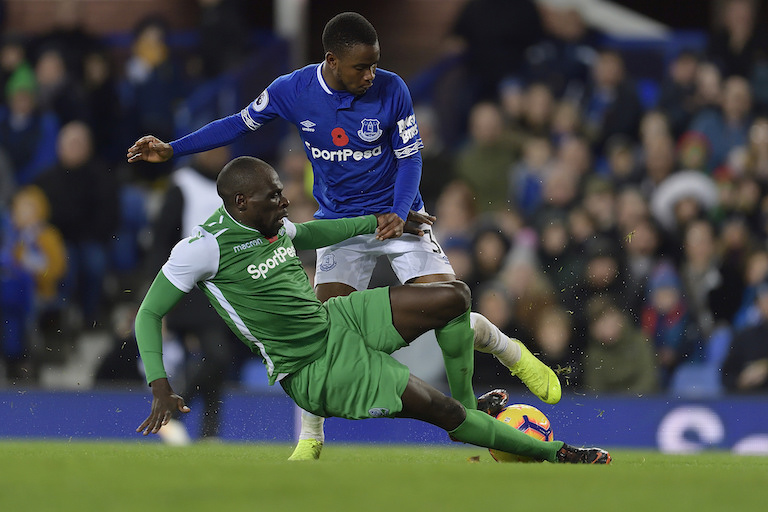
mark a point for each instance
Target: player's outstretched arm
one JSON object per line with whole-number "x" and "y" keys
{"x": 150, "y": 149}
{"x": 164, "y": 403}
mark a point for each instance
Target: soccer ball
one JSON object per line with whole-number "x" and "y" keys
{"x": 524, "y": 418}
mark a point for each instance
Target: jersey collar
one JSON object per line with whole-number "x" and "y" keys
{"x": 344, "y": 98}
{"x": 240, "y": 223}
{"x": 322, "y": 80}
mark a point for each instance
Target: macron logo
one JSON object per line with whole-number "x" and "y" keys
{"x": 307, "y": 126}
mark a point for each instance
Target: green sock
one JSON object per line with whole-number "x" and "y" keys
{"x": 483, "y": 430}
{"x": 457, "y": 345}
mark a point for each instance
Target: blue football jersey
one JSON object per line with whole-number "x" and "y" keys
{"x": 353, "y": 142}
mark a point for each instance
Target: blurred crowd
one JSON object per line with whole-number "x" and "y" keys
{"x": 619, "y": 230}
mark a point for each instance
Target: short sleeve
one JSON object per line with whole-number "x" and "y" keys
{"x": 193, "y": 259}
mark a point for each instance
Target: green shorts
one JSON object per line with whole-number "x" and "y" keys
{"x": 355, "y": 378}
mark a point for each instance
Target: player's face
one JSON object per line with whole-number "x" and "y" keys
{"x": 355, "y": 69}
{"x": 266, "y": 207}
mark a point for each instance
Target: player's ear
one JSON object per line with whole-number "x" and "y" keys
{"x": 241, "y": 201}
{"x": 331, "y": 60}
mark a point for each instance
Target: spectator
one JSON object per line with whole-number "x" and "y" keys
{"x": 527, "y": 176}
{"x": 756, "y": 157}
{"x": 152, "y": 87}
{"x": 727, "y": 127}
{"x": 621, "y": 161}
{"x": 735, "y": 245}
{"x": 745, "y": 369}
{"x": 599, "y": 201}
{"x": 553, "y": 336}
{"x": 682, "y": 198}
{"x": 437, "y": 161}
{"x": 566, "y": 121}
{"x": 659, "y": 153}
{"x": 693, "y": 152}
{"x": 558, "y": 260}
{"x": 27, "y": 133}
{"x": 641, "y": 248}
{"x": 76, "y": 186}
{"x": 709, "y": 87}
{"x": 57, "y": 91}
{"x": 755, "y": 272}
{"x": 619, "y": 358}
{"x": 678, "y": 89}
{"x": 611, "y": 104}
{"x": 103, "y": 104}
{"x": 38, "y": 246}
{"x": 701, "y": 275}
{"x": 602, "y": 275}
{"x": 34, "y": 262}
{"x": 559, "y": 191}
{"x": 665, "y": 320}
{"x": 69, "y": 36}
{"x": 538, "y": 108}
{"x": 13, "y": 55}
{"x": 456, "y": 208}
{"x": 485, "y": 161}
{"x": 737, "y": 42}
{"x": 490, "y": 248}
{"x": 527, "y": 287}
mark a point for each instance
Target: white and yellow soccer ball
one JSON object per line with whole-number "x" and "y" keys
{"x": 527, "y": 419}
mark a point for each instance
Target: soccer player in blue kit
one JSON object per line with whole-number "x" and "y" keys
{"x": 361, "y": 136}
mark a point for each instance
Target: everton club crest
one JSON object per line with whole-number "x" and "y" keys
{"x": 370, "y": 131}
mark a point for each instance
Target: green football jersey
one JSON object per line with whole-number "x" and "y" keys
{"x": 259, "y": 286}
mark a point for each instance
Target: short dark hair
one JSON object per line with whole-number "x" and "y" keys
{"x": 346, "y": 30}
{"x": 243, "y": 174}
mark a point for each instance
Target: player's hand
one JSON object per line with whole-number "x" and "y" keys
{"x": 415, "y": 220}
{"x": 390, "y": 225}
{"x": 150, "y": 149}
{"x": 164, "y": 402}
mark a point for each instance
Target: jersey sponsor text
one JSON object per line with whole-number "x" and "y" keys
{"x": 279, "y": 256}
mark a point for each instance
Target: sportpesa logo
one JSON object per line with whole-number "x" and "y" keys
{"x": 342, "y": 155}
{"x": 279, "y": 256}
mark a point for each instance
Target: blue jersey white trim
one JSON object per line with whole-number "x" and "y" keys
{"x": 353, "y": 142}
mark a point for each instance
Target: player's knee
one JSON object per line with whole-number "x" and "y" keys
{"x": 460, "y": 298}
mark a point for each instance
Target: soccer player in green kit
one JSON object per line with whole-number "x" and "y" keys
{"x": 331, "y": 358}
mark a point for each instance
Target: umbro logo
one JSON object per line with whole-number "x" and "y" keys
{"x": 307, "y": 126}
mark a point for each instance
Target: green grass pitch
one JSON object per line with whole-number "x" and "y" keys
{"x": 140, "y": 476}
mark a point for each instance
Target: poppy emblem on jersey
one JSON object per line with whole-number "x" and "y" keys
{"x": 261, "y": 102}
{"x": 370, "y": 131}
{"x": 340, "y": 137}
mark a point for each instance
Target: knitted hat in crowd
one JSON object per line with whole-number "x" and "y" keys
{"x": 664, "y": 276}
{"x": 22, "y": 79}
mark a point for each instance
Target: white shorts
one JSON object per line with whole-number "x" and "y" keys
{"x": 352, "y": 261}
